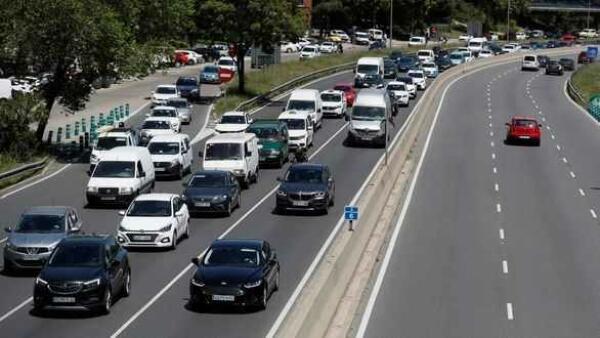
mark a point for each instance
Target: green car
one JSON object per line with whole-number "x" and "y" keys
{"x": 272, "y": 141}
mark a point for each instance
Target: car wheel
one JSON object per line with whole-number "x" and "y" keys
{"x": 8, "y": 267}
{"x": 187, "y": 229}
{"x": 174, "y": 240}
{"x": 262, "y": 304}
{"x": 107, "y": 301}
{"x": 245, "y": 183}
{"x": 229, "y": 210}
{"x": 127, "y": 285}
{"x": 276, "y": 283}
{"x": 332, "y": 200}
{"x": 180, "y": 172}
{"x": 239, "y": 201}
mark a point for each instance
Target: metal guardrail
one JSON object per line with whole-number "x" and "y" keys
{"x": 23, "y": 169}
{"x": 575, "y": 94}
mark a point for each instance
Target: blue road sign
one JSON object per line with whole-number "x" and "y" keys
{"x": 592, "y": 52}
{"x": 350, "y": 213}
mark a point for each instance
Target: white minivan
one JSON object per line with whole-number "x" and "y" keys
{"x": 309, "y": 101}
{"x": 367, "y": 121}
{"x": 426, "y": 55}
{"x": 300, "y": 129}
{"x": 236, "y": 153}
{"x": 530, "y": 62}
{"x": 121, "y": 175}
{"x": 171, "y": 155}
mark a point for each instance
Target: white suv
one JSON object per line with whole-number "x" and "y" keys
{"x": 171, "y": 155}
{"x": 333, "y": 103}
{"x": 164, "y": 93}
{"x": 169, "y": 113}
{"x": 154, "y": 220}
{"x": 530, "y": 62}
{"x": 419, "y": 78}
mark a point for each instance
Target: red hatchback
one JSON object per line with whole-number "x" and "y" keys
{"x": 524, "y": 129}
{"x": 348, "y": 90}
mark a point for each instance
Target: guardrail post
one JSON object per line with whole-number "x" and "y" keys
{"x": 68, "y": 132}
{"x": 50, "y": 132}
{"x": 76, "y": 131}
{"x": 83, "y": 127}
{"x": 81, "y": 145}
{"x": 59, "y": 135}
{"x": 101, "y": 120}
{"x": 86, "y": 140}
{"x": 127, "y": 109}
{"x": 121, "y": 112}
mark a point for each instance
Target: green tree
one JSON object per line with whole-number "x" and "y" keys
{"x": 246, "y": 23}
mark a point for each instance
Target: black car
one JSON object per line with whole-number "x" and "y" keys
{"x": 551, "y": 44}
{"x": 306, "y": 186}
{"x": 212, "y": 191}
{"x": 84, "y": 272}
{"x": 188, "y": 87}
{"x": 406, "y": 63}
{"x": 369, "y": 81}
{"x": 567, "y": 64}
{"x": 543, "y": 60}
{"x": 443, "y": 63}
{"x": 389, "y": 69}
{"x": 495, "y": 49}
{"x": 395, "y": 55}
{"x": 554, "y": 68}
{"x": 235, "y": 272}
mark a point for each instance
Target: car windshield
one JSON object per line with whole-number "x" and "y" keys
{"x": 456, "y": 56}
{"x": 368, "y": 113}
{"x": 119, "y": 169}
{"x": 509, "y": 47}
{"x": 150, "y": 209}
{"x": 428, "y": 65}
{"x": 186, "y": 82}
{"x": 416, "y": 75}
{"x": 163, "y": 148}
{"x": 166, "y": 90}
{"x": 233, "y": 119}
{"x": 156, "y": 125}
{"x": 407, "y": 80}
{"x": 331, "y": 97}
{"x": 164, "y": 113}
{"x": 177, "y": 103}
{"x": 211, "y": 70}
{"x": 361, "y": 35}
{"x": 474, "y": 44}
{"x": 232, "y": 256}
{"x": 294, "y": 124}
{"x": 406, "y": 60}
{"x": 301, "y": 105}
{"x": 223, "y": 151}
{"x": 367, "y": 69}
{"x": 525, "y": 123}
{"x": 74, "y": 255}
{"x": 208, "y": 180}
{"x": 415, "y": 40}
{"x": 41, "y": 223}
{"x": 530, "y": 58}
{"x": 226, "y": 62}
{"x": 342, "y": 88}
{"x": 304, "y": 175}
{"x": 264, "y": 132}
{"x": 308, "y": 49}
{"x": 396, "y": 87}
{"x": 109, "y": 142}
{"x": 566, "y": 60}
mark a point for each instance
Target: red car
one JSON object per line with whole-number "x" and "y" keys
{"x": 181, "y": 58}
{"x": 226, "y": 75}
{"x": 583, "y": 58}
{"x": 568, "y": 37}
{"x": 524, "y": 129}
{"x": 348, "y": 90}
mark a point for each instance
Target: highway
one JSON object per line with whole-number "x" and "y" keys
{"x": 157, "y": 306}
{"x": 499, "y": 240}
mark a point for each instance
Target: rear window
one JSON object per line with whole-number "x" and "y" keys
{"x": 424, "y": 53}
{"x": 525, "y": 123}
{"x": 474, "y": 44}
{"x": 529, "y": 58}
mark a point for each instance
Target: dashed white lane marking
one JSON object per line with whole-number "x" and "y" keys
{"x": 593, "y": 213}
{"x": 490, "y": 116}
{"x": 572, "y": 174}
{"x": 564, "y": 159}
{"x": 501, "y": 233}
{"x": 505, "y": 267}
{"x": 541, "y": 112}
{"x": 490, "y": 125}
{"x": 509, "y": 311}
{"x": 543, "y": 119}
{"x": 496, "y": 187}
{"x": 495, "y": 170}
{"x": 558, "y": 147}
{"x": 491, "y": 133}
{"x": 552, "y": 136}
{"x": 498, "y": 207}
{"x": 581, "y": 192}
{"x": 492, "y": 144}
{"x": 493, "y": 156}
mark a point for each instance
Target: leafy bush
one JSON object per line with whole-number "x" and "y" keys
{"x": 16, "y": 137}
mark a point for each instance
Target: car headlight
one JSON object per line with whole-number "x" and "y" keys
{"x": 253, "y": 284}
{"x": 126, "y": 191}
{"x": 166, "y": 228}
{"x": 197, "y": 282}
{"x": 92, "y": 284}
{"x": 10, "y": 246}
{"x": 320, "y": 195}
{"x": 174, "y": 163}
{"x": 219, "y": 198}
{"x": 122, "y": 228}
{"x": 238, "y": 171}
{"x": 275, "y": 151}
{"x": 92, "y": 189}
{"x": 281, "y": 193}
{"x": 40, "y": 281}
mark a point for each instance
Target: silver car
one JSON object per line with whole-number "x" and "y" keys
{"x": 40, "y": 229}
{"x": 184, "y": 109}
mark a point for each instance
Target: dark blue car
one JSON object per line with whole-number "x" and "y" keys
{"x": 407, "y": 63}
{"x": 306, "y": 187}
{"x": 210, "y": 74}
{"x": 188, "y": 87}
{"x": 212, "y": 191}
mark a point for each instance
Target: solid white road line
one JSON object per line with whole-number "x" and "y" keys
{"x": 505, "y": 267}
{"x": 501, "y": 233}
{"x": 509, "y": 311}
{"x": 490, "y": 125}
{"x": 593, "y": 213}
{"x": 10, "y": 193}
{"x": 581, "y": 192}
{"x": 491, "y": 133}
{"x": 231, "y": 228}
{"x": 492, "y": 144}
{"x": 15, "y": 309}
{"x": 498, "y": 207}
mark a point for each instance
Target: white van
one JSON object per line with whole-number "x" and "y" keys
{"x": 367, "y": 121}
{"x": 368, "y": 66}
{"x": 171, "y": 154}
{"x": 5, "y": 89}
{"x": 375, "y": 34}
{"x": 426, "y": 55}
{"x": 300, "y": 129}
{"x": 530, "y": 62}
{"x": 109, "y": 138}
{"x": 475, "y": 45}
{"x": 121, "y": 175}
{"x": 237, "y": 153}
{"x": 307, "y": 100}
{"x": 417, "y": 41}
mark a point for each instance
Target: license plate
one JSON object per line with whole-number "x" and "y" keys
{"x": 30, "y": 258}
{"x": 159, "y": 169}
{"x": 202, "y": 204}
{"x": 524, "y": 137}
{"x": 260, "y": 146}
{"x": 142, "y": 237}
{"x": 300, "y": 203}
{"x": 63, "y": 299}
{"x": 108, "y": 198}
{"x": 366, "y": 138}
{"x": 223, "y": 298}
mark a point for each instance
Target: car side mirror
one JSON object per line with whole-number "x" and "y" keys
{"x": 114, "y": 263}
{"x": 196, "y": 261}
{"x": 200, "y": 154}
{"x": 346, "y": 117}
{"x": 8, "y": 229}
{"x": 539, "y": 125}
{"x": 75, "y": 229}
{"x": 310, "y": 128}
{"x": 121, "y": 212}
{"x": 143, "y": 174}
{"x": 319, "y": 110}
{"x": 507, "y": 124}
{"x": 89, "y": 172}
{"x": 283, "y": 109}
{"x": 179, "y": 213}
{"x": 184, "y": 151}
{"x": 147, "y": 115}
{"x": 248, "y": 154}
{"x": 379, "y": 86}
{"x": 273, "y": 255}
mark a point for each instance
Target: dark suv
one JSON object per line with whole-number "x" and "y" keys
{"x": 189, "y": 87}
{"x": 84, "y": 272}
{"x": 273, "y": 140}
{"x": 306, "y": 186}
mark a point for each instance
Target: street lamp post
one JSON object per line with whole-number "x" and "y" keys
{"x": 588, "y": 13}
{"x": 508, "y": 22}
{"x": 391, "y": 21}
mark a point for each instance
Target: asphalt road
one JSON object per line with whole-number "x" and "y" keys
{"x": 499, "y": 240}
{"x": 154, "y": 310}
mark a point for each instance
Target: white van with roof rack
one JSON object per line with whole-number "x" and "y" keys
{"x": 234, "y": 152}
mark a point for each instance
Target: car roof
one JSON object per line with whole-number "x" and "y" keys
{"x": 47, "y": 210}
{"x": 87, "y": 238}
{"x": 267, "y": 122}
{"x": 234, "y": 113}
{"x": 293, "y": 114}
{"x": 518, "y": 117}
{"x": 124, "y": 154}
{"x": 231, "y": 138}
{"x": 166, "y": 86}
{"x": 168, "y": 138}
{"x": 332, "y": 91}
{"x": 237, "y": 243}
{"x": 212, "y": 172}
{"x": 187, "y": 77}
{"x": 176, "y": 99}
{"x": 164, "y": 108}
{"x": 155, "y": 197}
{"x": 396, "y": 83}
{"x": 159, "y": 118}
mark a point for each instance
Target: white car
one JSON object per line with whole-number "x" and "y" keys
{"x": 303, "y": 42}
{"x": 233, "y": 122}
{"x": 300, "y": 128}
{"x": 327, "y": 47}
{"x": 419, "y": 78}
{"x": 468, "y": 56}
{"x": 154, "y": 126}
{"x": 309, "y": 52}
{"x": 520, "y": 36}
{"x": 588, "y": 33}
{"x": 509, "y": 48}
{"x": 426, "y": 55}
{"x": 417, "y": 41}
{"x": 362, "y": 38}
{"x": 164, "y": 93}
{"x": 288, "y": 47}
{"x": 171, "y": 155}
{"x": 168, "y": 113}
{"x": 465, "y": 37}
{"x": 193, "y": 57}
{"x": 486, "y": 53}
{"x": 410, "y": 87}
{"x": 154, "y": 220}
{"x": 334, "y": 103}
{"x": 430, "y": 69}
{"x": 399, "y": 93}
{"x": 341, "y": 34}
{"x": 227, "y": 62}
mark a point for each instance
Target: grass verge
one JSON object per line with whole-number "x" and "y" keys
{"x": 587, "y": 80}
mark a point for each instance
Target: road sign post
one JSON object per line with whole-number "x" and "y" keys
{"x": 351, "y": 215}
{"x": 592, "y": 53}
